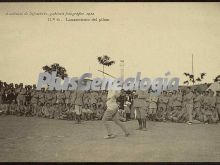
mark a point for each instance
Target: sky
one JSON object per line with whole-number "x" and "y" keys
{"x": 152, "y": 38}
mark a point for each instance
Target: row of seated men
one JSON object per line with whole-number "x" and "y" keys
{"x": 179, "y": 106}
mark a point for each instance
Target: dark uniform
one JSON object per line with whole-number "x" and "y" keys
{"x": 140, "y": 107}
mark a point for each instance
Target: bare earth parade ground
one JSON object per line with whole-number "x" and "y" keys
{"x": 38, "y": 139}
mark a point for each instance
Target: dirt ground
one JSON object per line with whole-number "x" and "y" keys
{"x": 37, "y": 139}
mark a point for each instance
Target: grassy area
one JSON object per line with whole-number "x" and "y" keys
{"x": 38, "y": 139}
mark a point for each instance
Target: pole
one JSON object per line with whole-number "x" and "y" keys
{"x": 122, "y": 69}
{"x": 192, "y": 70}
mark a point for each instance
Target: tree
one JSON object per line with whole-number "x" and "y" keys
{"x": 217, "y": 79}
{"x": 192, "y": 79}
{"x": 61, "y": 71}
{"x": 105, "y": 61}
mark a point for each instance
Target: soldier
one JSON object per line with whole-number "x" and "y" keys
{"x": 84, "y": 112}
{"x": 218, "y": 103}
{"x": 100, "y": 112}
{"x": 78, "y": 104}
{"x": 6, "y": 101}
{"x": 93, "y": 99}
{"x": 48, "y": 97}
{"x": 1, "y": 93}
{"x": 147, "y": 100}
{"x": 94, "y": 111}
{"x": 1, "y": 97}
{"x": 170, "y": 105}
{"x": 177, "y": 104}
{"x": 67, "y": 96}
{"x": 61, "y": 97}
{"x": 45, "y": 110}
{"x": 140, "y": 108}
{"x": 104, "y": 97}
{"x": 9, "y": 99}
{"x": 64, "y": 112}
{"x": 27, "y": 95}
{"x": 210, "y": 114}
{"x": 41, "y": 102}
{"x": 28, "y": 102}
{"x": 27, "y": 110}
{"x": 72, "y": 98}
{"x": 197, "y": 113}
{"x": 188, "y": 100}
{"x": 93, "y": 108}
{"x": 34, "y": 101}
{"x": 132, "y": 96}
{"x": 86, "y": 104}
{"x": 48, "y": 103}
{"x": 152, "y": 105}
{"x": 13, "y": 108}
{"x": 86, "y": 98}
{"x": 127, "y": 108}
{"x": 54, "y": 97}
{"x": 52, "y": 109}
{"x": 71, "y": 115}
{"x": 21, "y": 95}
{"x": 204, "y": 103}
{"x": 57, "y": 110}
{"x": 68, "y": 112}
{"x": 60, "y": 101}
{"x": 162, "y": 106}
{"x": 17, "y": 91}
{"x": 20, "y": 110}
{"x": 53, "y": 104}
{"x": 121, "y": 100}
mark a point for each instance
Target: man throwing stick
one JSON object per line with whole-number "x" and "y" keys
{"x": 111, "y": 114}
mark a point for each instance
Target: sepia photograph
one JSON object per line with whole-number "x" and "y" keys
{"x": 109, "y": 82}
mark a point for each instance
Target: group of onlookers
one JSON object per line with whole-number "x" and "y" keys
{"x": 191, "y": 106}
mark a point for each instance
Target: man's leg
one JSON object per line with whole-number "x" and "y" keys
{"x": 144, "y": 124}
{"x": 218, "y": 111}
{"x": 117, "y": 122}
{"x": 143, "y": 118}
{"x": 189, "y": 109}
{"x": 126, "y": 116}
{"x": 107, "y": 126}
{"x": 106, "y": 121}
{"x": 139, "y": 123}
{"x": 77, "y": 109}
{"x": 138, "y": 116}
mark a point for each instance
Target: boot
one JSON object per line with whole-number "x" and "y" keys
{"x": 144, "y": 121}
{"x": 140, "y": 124}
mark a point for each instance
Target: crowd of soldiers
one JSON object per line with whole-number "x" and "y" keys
{"x": 187, "y": 105}
{"x": 71, "y": 105}
{"x": 191, "y": 106}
